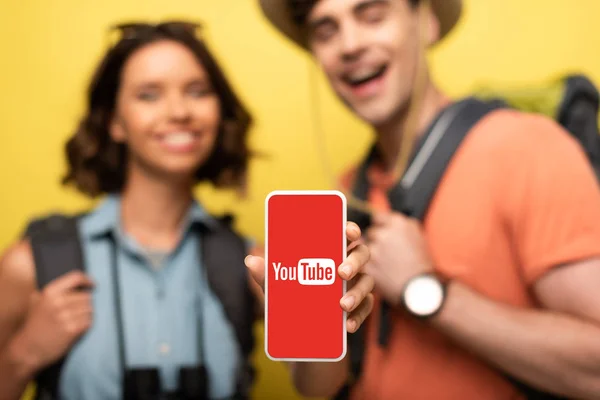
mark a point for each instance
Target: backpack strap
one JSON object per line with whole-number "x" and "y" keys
{"x": 414, "y": 192}
{"x": 56, "y": 247}
{"x": 360, "y": 190}
{"x": 57, "y": 250}
{"x": 578, "y": 113}
{"x": 223, "y": 254}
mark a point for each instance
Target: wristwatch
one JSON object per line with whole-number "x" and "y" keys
{"x": 423, "y": 295}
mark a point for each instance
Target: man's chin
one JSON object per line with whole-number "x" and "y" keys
{"x": 374, "y": 115}
{"x": 374, "y": 112}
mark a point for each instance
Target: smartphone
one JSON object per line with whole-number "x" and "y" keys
{"x": 305, "y": 243}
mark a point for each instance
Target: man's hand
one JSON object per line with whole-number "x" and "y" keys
{"x": 358, "y": 300}
{"x": 398, "y": 252}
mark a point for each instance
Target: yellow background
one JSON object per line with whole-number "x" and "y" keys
{"x": 50, "y": 47}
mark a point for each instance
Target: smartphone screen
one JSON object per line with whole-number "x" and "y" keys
{"x": 305, "y": 243}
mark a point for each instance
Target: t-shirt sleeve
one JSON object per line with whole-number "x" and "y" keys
{"x": 555, "y": 204}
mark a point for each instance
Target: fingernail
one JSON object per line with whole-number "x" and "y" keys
{"x": 348, "y": 302}
{"x": 351, "y": 325}
{"x": 346, "y": 270}
{"x": 247, "y": 259}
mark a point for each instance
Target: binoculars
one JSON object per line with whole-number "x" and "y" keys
{"x": 144, "y": 384}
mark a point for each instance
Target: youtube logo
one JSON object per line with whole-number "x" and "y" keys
{"x": 309, "y": 271}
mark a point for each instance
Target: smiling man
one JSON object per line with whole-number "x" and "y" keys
{"x": 510, "y": 243}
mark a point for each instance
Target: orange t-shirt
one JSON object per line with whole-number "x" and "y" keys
{"x": 518, "y": 198}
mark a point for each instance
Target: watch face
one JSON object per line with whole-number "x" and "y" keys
{"x": 424, "y": 295}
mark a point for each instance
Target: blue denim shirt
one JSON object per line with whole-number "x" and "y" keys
{"x": 162, "y": 304}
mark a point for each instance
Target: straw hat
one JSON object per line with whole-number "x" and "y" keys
{"x": 278, "y": 13}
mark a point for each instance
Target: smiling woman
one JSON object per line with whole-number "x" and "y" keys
{"x": 160, "y": 118}
{"x": 159, "y": 100}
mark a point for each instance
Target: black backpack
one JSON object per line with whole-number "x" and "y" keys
{"x": 576, "y": 110}
{"x": 57, "y": 250}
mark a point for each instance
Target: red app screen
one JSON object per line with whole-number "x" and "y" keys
{"x": 305, "y": 244}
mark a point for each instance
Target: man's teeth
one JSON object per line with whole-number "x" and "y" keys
{"x": 179, "y": 138}
{"x": 363, "y": 74}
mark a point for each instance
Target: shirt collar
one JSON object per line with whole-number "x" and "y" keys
{"x": 105, "y": 218}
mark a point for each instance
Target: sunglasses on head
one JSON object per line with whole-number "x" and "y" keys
{"x": 133, "y": 30}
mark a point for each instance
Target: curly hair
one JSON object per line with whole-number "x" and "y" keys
{"x": 301, "y": 8}
{"x": 97, "y": 164}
